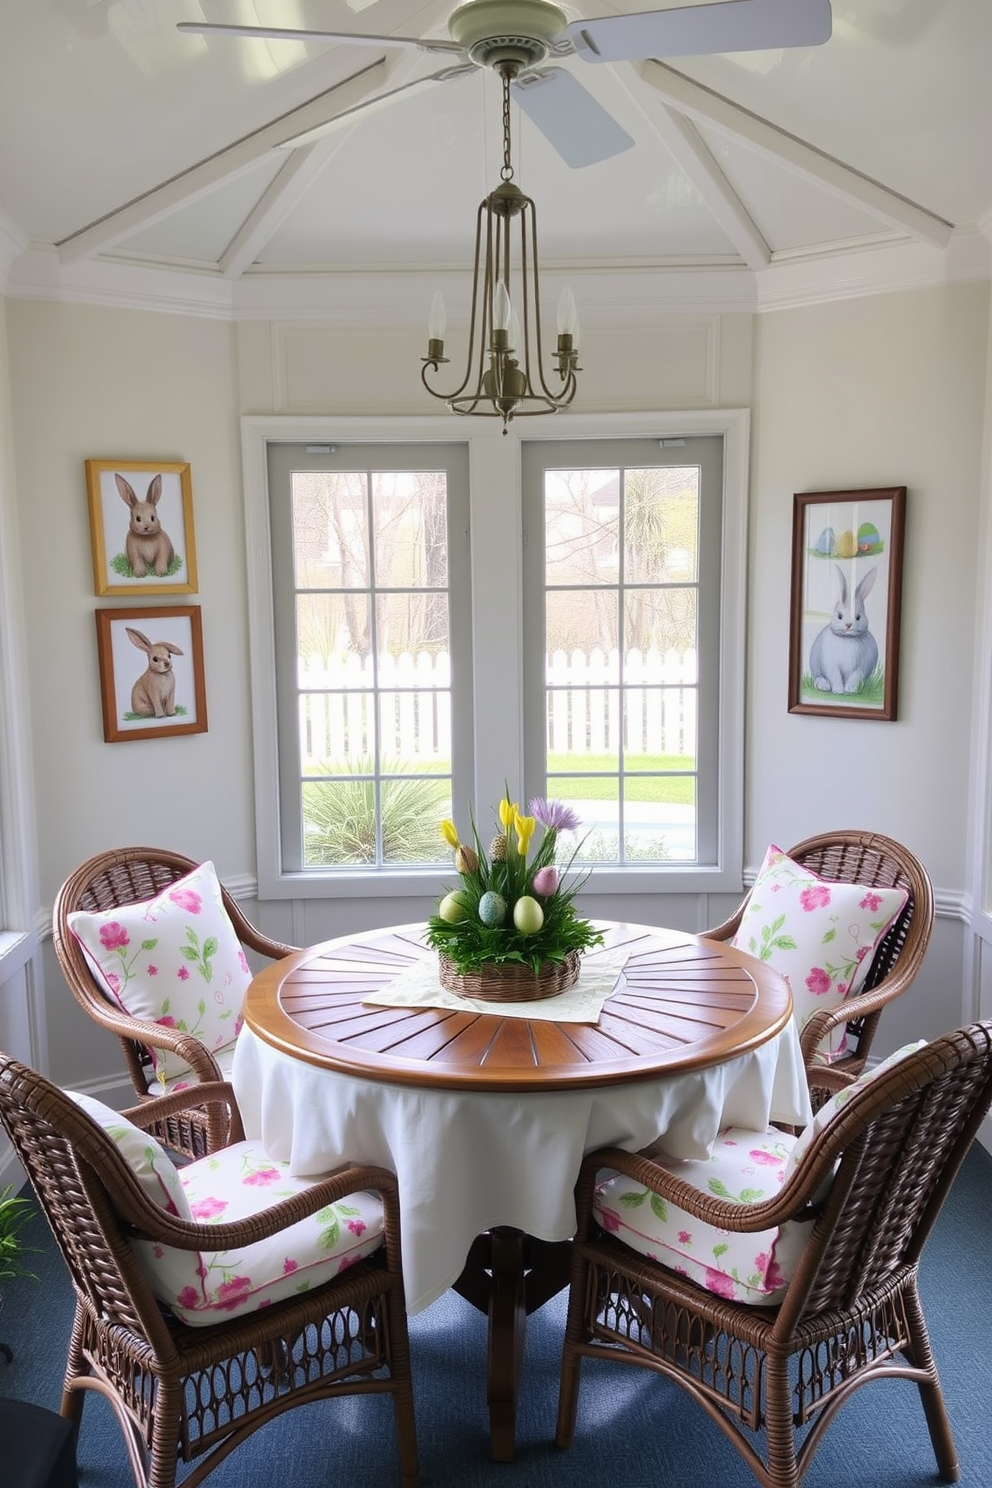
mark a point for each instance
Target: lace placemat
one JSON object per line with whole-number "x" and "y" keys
{"x": 418, "y": 986}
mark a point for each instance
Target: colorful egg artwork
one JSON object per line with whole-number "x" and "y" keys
{"x": 846, "y": 545}
{"x": 869, "y": 540}
{"x": 825, "y": 542}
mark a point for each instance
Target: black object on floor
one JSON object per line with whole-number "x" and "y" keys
{"x": 39, "y": 1450}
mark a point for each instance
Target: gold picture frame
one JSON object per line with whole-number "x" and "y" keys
{"x": 151, "y": 672}
{"x": 141, "y": 527}
{"x": 843, "y": 644}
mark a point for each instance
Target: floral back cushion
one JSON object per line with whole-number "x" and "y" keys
{"x": 147, "y": 1158}
{"x": 840, "y": 1098}
{"x": 174, "y": 960}
{"x": 820, "y": 934}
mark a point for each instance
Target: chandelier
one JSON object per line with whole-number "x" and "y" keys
{"x": 504, "y": 370}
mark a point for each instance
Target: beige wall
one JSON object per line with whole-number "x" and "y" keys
{"x": 876, "y": 392}
{"x": 886, "y": 390}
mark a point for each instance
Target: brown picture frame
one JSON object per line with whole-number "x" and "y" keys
{"x": 151, "y": 657}
{"x": 141, "y": 527}
{"x": 847, "y": 554}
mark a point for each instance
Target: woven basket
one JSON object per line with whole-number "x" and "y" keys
{"x": 513, "y": 982}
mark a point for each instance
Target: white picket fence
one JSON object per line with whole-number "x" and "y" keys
{"x": 584, "y": 705}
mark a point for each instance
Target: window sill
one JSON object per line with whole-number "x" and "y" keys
{"x": 428, "y": 883}
{"x": 16, "y": 949}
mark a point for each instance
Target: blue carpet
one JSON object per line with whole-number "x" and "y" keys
{"x": 634, "y": 1431}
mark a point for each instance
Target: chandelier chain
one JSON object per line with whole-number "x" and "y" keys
{"x": 507, "y": 172}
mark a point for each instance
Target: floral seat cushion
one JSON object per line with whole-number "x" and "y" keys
{"x": 204, "y": 1287}
{"x": 158, "y": 1084}
{"x": 743, "y": 1166}
{"x": 174, "y": 960}
{"x": 820, "y": 934}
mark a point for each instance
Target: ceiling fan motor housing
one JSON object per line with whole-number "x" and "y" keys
{"x": 499, "y": 33}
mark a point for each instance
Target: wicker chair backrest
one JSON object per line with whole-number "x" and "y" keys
{"x": 84, "y": 1186}
{"x": 897, "y": 1146}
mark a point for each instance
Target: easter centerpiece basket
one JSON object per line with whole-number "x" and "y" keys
{"x": 510, "y": 931}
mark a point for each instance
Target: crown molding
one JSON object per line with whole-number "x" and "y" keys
{"x": 869, "y": 267}
{"x": 611, "y": 292}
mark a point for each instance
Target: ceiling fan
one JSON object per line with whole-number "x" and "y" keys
{"x": 518, "y": 36}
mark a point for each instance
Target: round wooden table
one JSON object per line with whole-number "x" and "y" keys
{"x": 682, "y": 1004}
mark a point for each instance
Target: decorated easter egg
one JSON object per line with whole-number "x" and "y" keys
{"x": 846, "y": 545}
{"x": 825, "y": 542}
{"x": 452, "y": 907}
{"x": 492, "y": 908}
{"x": 528, "y": 916}
{"x": 868, "y": 538}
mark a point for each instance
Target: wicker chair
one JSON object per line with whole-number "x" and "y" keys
{"x": 129, "y": 876}
{"x": 868, "y": 858}
{"x": 852, "y": 1305}
{"x": 184, "y": 1393}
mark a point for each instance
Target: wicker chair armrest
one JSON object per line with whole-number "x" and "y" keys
{"x": 155, "y": 1224}
{"x": 186, "y": 1046}
{"x": 797, "y": 1199}
{"x": 191, "y": 1098}
{"x": 821, "y": 1023}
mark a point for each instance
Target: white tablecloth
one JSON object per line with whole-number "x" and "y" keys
{"x": 467, "y": 1161}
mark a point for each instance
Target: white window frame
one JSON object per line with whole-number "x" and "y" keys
{"x": 498, "y": 641}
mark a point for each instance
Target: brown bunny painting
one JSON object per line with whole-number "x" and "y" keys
{"x": 147, "y": 547}
{"x": 162, "y": 690}
{"x": 141, "y": 527}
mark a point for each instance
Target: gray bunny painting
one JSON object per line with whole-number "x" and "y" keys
{"x": 844, "y": 654}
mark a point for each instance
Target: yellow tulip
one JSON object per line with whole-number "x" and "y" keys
{"x": 507, "y": 813}
{"x": 450, "y": 833}
{"x": 525, "y": 831}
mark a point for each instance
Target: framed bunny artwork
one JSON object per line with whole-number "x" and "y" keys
{"x": 846, "y": 601}
{"x": 141, "y": 527}
{"x": 151, "y": 672}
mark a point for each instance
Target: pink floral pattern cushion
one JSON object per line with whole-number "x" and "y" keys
{"x": 839, "y": 1100}
{"x": 174, "y": 960}
{"x": 146, "y": 1157}
{"x": 745, "y": 1167}
{"x": 820, "y": 934}
{"x": 203, "y": 1287}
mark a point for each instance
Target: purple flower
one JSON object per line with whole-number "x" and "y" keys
{"x": 554, "y": 815}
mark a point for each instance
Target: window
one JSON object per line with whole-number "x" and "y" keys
{"x": 367, "y": 565}
{"x": 622, "y": 595}
{"x": 445, "y": 635}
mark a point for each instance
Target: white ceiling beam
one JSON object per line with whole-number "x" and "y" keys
{"x": 215, "y": 170}
{"x": 290, "y": 185}
{"x": 705, "y": 106}
{"x": 697, "y": 162}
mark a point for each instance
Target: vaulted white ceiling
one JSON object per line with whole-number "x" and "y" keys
{"x": 122, "y": 140}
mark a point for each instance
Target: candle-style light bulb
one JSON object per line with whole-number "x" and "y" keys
{"x": 502, "y": 308}
{"x": 436, "y": 320}
{"x": 568, "y": 316}
{"x": 514, "y": 331}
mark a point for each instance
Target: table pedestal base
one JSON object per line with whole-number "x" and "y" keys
{"x": 507, "y": 1275}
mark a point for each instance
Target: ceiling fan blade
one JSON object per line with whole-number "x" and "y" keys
{"x": 339, "y": 38}
{"x": 695, "y": 30}
{"x": 373, "y": 105}
{"x": 568, "y": 116}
